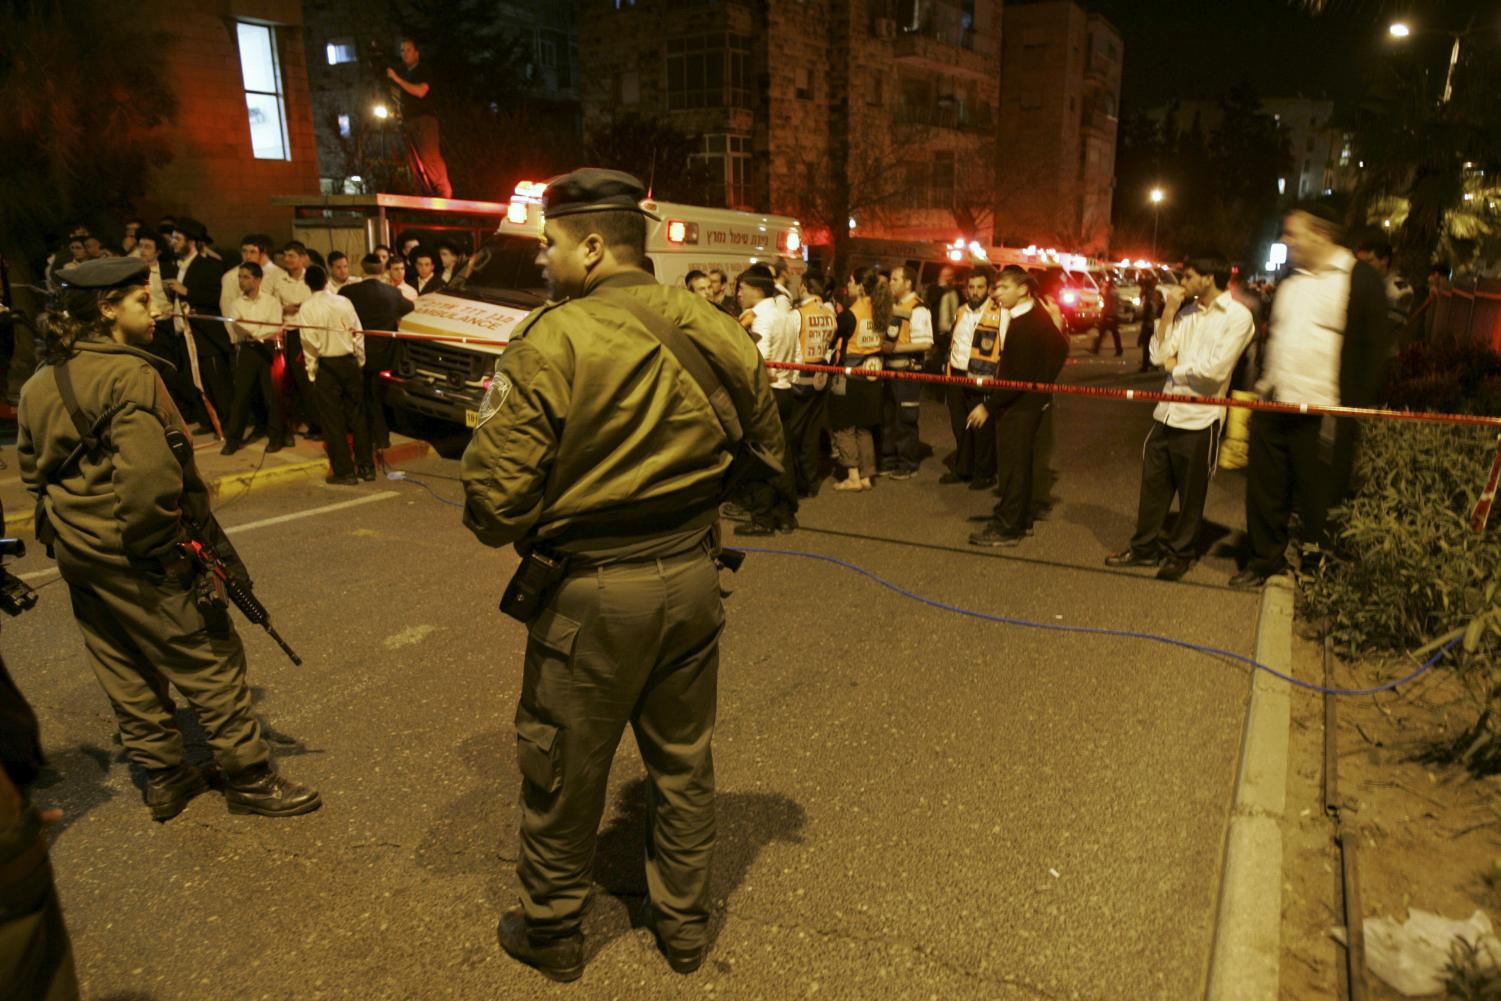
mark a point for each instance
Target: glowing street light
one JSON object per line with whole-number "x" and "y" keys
{"x": 1399, "y": 29}
{"x": 381, "y": 111}
{"x": 1156, "y": 195}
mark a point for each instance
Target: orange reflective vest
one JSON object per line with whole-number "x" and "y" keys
{"x": 985, "y": 350}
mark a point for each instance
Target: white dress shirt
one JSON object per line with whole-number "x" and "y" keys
{"x": 964, "y": 337}
{"x": 1308, "y": 332}
{"x": 775, "y": 328}
{"x": 161, "y": 306}
{"x": 292, "y": 292}
{"x": 264, "y": 312}
{"x": 229, "y": 291}
{"x": 1207, "y": 343}
{"x": 330, "y": 329}
{"x": 182, "y": 271}
{"x": 407, "y": 292}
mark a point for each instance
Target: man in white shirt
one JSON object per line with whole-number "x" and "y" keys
{"x": 293, "y": 291}
{"x": 1329, "y": 344}
{"x": 1199, "y": 348}
{"x": 774, "y": 329}
{"x": 907, "y": 342}
{"x": 257, "y": 316}
{"x": 334, "y": 352}
{"x": 396, "y": 274}
{"x": 254, "y": 247}
{"x": 338, "y": 271}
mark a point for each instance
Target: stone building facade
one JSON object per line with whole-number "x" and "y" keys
{"x": 1060, "y": 98}
{"x": 243, "y": 130}
{"x": 876, "y": 111}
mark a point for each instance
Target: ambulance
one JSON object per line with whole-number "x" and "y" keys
{"x": 443, "y": 369}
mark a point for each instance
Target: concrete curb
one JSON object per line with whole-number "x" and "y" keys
{"x": 230, "y": 485}
{"x": 1245, "y": 963}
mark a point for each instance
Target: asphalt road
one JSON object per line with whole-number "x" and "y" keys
{"x": 912, "y": 804}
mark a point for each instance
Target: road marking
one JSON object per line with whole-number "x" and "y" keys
{"x": 325, "y": 509}
{"x": 263, "y": 523}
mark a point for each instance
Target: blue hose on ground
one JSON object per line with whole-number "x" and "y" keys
{"x": 396, "y": 474}
{"x": 1007, "y": 620}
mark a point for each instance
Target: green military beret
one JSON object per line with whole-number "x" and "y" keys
{"x": 593, "y": 189}
{"x": 105, "y": 273}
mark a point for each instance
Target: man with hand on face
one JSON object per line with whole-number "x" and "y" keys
{"x": 1199, "y": 348}
{"x": 1034, "y": 352}
{"x": 598, "y": 454}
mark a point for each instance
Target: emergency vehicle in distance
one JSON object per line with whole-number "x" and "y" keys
{"x": 501, "y": 283}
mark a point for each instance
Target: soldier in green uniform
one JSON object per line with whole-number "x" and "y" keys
{"x": 597, "y": 447}
{"x": 93, "y": 447}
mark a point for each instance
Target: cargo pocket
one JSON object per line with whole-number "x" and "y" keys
{"x": 539, "y": 752}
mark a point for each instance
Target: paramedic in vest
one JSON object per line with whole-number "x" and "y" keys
{"x": 1328, "y": 346}
{"x": 855, "y": 401}
{"x": 1034, "y": 352}
{"x": 771, "y": 326}
{"x": 1199, "y": 347}
{"x": 974, "y": 350}
{"x": 812, "y": 326}
{"x": 908, "y": 338}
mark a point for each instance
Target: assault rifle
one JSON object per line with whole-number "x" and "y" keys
{"x": 236, "y": 588}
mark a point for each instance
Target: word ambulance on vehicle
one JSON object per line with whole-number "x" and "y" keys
{"x": 444, "y": 363}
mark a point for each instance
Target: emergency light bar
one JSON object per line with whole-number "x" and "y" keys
{"x": 682, "y": 232}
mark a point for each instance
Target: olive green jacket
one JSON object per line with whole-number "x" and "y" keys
{"x": 592, "y": 433}
{"x": 119, "y": 504}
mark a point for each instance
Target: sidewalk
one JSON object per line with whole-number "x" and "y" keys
{"x": 227, "y": 476}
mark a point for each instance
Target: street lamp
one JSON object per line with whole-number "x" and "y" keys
{"x": 1401, "y": 29}
{"x": 381, "y": 111}
{"x": 1156, "y": 196}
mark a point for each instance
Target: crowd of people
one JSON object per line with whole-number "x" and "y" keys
{"x": 1324, "y": 335}
{"x": 238, "y": 369}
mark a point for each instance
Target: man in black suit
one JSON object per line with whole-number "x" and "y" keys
{"x": 428, "y": 279}
{"x": 197, "y": 287}
{"x": 380, "y": 307}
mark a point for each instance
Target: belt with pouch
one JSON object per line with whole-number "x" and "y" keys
{"x": 904, "y": 362}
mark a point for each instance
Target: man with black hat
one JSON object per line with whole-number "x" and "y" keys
{"x": 197, "y": 288}
{"x": 114, "y": 504}
{"x": 599, "y": 454}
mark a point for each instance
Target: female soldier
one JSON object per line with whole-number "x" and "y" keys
{"x": 854, "y": 401}
{"x": 113, "y": 501}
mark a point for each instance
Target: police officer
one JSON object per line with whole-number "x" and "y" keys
{"x": 93, "y": 447}
{"x": 596, "y": 449}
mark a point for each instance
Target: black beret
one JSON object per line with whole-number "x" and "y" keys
{"x": 593, "y": 189}
{"x": 105, "y": 273}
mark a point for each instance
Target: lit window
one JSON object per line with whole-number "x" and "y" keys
{"x": 341, "y": 50}
{"x": 344, "y": 126}
{"x": 264, "y": 103}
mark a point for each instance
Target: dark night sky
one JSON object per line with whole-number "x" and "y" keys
{"x": 1199, "y": 48}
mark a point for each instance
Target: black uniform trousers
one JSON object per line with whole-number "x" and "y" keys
{"x": 215, "y": 364}
{"x": 1016, "y": 434}
{"x": 804, "y": 424}
{"x": 1285, "y": 468}
{"x": 304, "y": 396}
{"x": 375, "y": 407}
{"x": 341, "y": 401}
{"x": 253, "y": 381}
{"x": 901, "y": 445}
{"x": 167, "y": 344}
{"x": 1173, "y": 461}
{"x": 974, "y": 450}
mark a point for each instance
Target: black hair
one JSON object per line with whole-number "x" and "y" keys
{"x": 623, "y": 232}
{"x": 1324, "y": 219}
{"x": 422, "y": 252}
{"x": 259, "y": 241}
{"x": 723, "y": 278}
{"x": 315, "y": 277}
{"x": 451, "y": 247}
{"x": 813, "y": 284}
{"x": 334, "y": 256}
{"x": 760, "y": 269}
{"x": 370, "y": 264}
{"x": 1021, "y": 276}
{"x": 253, "y": 268}
{"x": 1377, "y": 248}
{"x": 692, "y": 277}
{"x": 152, "y": 235}
{"x": 381, "y": 246}
{"x": 296, "y": 245}
{"x": 1214, "y": 265}
{"x": 765, "y": 284}
{"x": 982, "y": 271}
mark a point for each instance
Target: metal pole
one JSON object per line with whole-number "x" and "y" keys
{"x": 1449, "y": 79}
{"x": 1156, "y": 211}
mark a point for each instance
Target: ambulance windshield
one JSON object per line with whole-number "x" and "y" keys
{"x": 503, "y": 270}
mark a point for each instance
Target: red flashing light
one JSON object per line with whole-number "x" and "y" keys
{"x": 1069, "y": 298}
{"x": 791, "y": 242}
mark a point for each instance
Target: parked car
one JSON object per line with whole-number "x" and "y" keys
{"x": 1077, "y": 294}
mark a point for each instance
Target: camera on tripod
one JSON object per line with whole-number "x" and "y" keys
{"x": 15, "y": 596}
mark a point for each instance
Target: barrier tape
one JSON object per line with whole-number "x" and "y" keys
{"x": 1482, "y": 512}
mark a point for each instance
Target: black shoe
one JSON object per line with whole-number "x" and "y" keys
{"x": 341, "y": 481}
{"x": 1173, "y": 568}
{"x": 366, "y": 473}
{"x": 231, "y": 447}
{"x": 992, "y": 537}
{"x": 1248, "y": 579}
{"x": 901, "y": 474}
{"x": 558, "y": 959}
{"x": 261, "y": 791}
{"x": 169, "y": 790}
{"x": 733, "y": 512}
{"x": 756, "y": 528}
{"x": 983, "y": 483}
{"x": 948, "y": 478}
{"x": 255, "y": 435}
{"x": 313, "y": 436}
{"x": 1129, "y": 558}
{"x": 276, "y": 445}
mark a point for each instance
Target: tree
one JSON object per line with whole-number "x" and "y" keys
{"x": 80, "y": 131}
{"x": 660, "y": 155}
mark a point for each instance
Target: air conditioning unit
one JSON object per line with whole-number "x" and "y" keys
{"x": 885, "y": 27}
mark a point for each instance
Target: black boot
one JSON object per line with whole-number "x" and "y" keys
{"x": 262, "y": 791}
{"x": 169, "y": 790}
{"x": 560, "y": 959}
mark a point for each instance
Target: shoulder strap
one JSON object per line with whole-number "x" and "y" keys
{"x": 688, "y": 355}
{"x": 69, "y": 397}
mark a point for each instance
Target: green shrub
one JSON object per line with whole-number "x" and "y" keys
{"x": 1410, "y": 569}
